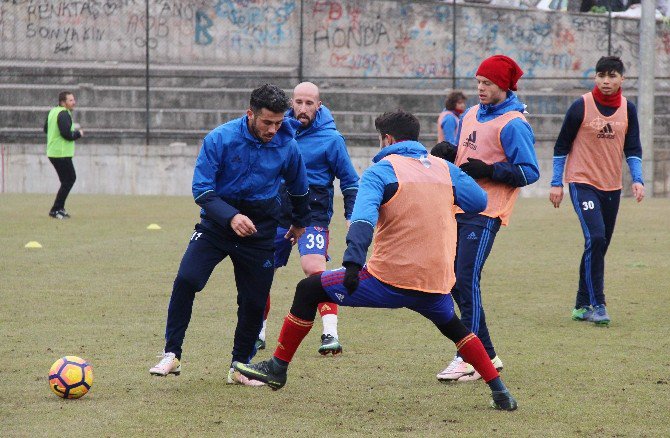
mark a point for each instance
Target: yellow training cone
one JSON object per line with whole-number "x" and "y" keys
{"x": 33, "y": 244}
{"x": 154, "y": 227}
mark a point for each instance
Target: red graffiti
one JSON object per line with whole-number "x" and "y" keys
{"x": 665, "y": 38}
{"x": 354, "y": 11}
{"x": 565, "y": 37}
{"x": 332, "y": 8}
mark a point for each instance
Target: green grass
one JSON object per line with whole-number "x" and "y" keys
{"x": 100, "y": 285}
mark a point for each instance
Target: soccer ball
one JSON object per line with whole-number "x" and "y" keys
{"x": 70, "y": 377}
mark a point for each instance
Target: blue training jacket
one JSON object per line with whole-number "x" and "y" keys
{"x": 379, "y": 183}
{"x": 325, "y": 154}
{"x": 237, "y": 173}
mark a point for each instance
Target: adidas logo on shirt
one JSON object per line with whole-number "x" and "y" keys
{"x": 472, "y": 236}
{"x": 606, "y": 132}
{"x": 267, "y": 264}
{"x": 471, "y": 141}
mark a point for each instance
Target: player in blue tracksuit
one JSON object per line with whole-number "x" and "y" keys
{"x": 325, "y": 154}
{"x": 236, "y": 181}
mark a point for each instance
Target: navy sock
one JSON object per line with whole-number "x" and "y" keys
{"x": 497, "y": 384}
{"x": 281, "y": 364}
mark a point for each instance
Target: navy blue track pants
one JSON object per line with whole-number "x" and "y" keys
{"x": 474, "y": 246}
{"x": 254, "y": 271}
{"x": 597, "y": 211}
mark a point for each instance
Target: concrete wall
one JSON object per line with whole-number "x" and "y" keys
{"x": 132, "y": 170}
{"x": 168, "y": 170}
{"x": 414, "y": 39}
{"x": 232, "y": 32}
{"x": 342, "y": 38}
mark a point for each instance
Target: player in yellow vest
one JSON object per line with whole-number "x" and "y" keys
{"x": 599, "y": 129}
{"x": 409, "y": 197}
{"x": 61, "y": 135}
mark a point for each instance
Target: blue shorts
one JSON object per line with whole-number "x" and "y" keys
{"x": 439, "y": 308}
{"x": 314, "y": 241}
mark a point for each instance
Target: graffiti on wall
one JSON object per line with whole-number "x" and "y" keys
{"x": 415, "y": 40}
{"x": 378, "y": 38}
{"x": 338, "y": 38}
{"x": 178, "y": 30}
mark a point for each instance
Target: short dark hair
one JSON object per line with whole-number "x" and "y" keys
{"x": 269, "y": 97}
{"x": 62, "y": 96}
{"x": 452, "y": 99}
{"x": 399, "y": 124}
{"x": 610, "y": 63}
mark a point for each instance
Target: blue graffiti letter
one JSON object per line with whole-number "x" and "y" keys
{"x": 202, "y": 25}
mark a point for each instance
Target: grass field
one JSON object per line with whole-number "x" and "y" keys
{"x": 100, "y": 285}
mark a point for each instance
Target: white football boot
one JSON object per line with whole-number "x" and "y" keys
{"x": 169, "y": 364}
{"x": 237, "y": 378}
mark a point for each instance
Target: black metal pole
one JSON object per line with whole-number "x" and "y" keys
{"x": 301, "y": 44}
{"x": 453, "y": 52}
{"x": 146, "y": 74}
{"x": 609, "y": 28}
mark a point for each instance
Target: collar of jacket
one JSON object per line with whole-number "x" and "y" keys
{"x": 407, "y": 148}
{"x": 323, "y": 119}
{"x": 511, "y": 103}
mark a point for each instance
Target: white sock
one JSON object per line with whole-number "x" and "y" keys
{"x": 261, "y": 335}
{"x": 330, "y": 325}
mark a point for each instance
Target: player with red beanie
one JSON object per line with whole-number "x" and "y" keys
{"x": 496, "y": 148}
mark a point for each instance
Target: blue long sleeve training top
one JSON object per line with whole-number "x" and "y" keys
{"x": 379, "y": 183}
{"x": 325, "y": 155}
{"x": 632, "y": 148}
{"x": 237, "y": 173}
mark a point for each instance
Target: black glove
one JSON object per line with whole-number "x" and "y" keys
{"x": 445, "y": 150}
{"x": 477, "y": 168}
{"x": 351, "y": 276}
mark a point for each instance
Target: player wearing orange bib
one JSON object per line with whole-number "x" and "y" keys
{"x": 599, "y": 129}
{"x": 496, "y": 148}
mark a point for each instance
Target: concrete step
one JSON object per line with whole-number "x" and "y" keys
{"x": 193, "y": 137}
{"x": 205, "y": 97}
{"x": 205, "y": 120}
{"x": 134, "y": 74}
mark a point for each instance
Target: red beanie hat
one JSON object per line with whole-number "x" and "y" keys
{"x": 501, "y": 70}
